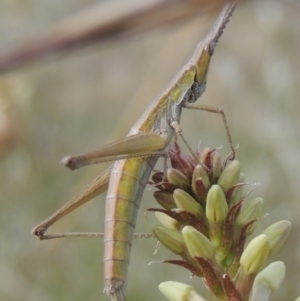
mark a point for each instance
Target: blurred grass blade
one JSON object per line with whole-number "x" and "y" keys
{"x": 109, "y": 21}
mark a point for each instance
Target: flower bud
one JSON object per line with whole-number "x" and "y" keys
{"x": 255, "y": 255}
{"x": 165, "y": 199}
{"x": 197, "y": 244}
{"x": 200, "y": 172}
{"x": 171, "y": 239}
{"x": 230, "y": 175}
{"x": 216, "y": 166}
{"x": 167, "y": 221}
{"x": 204, "y": 156}
{"x": 249, "y": 212}
{"x": 268, "y": 281}
{"x": 187, "y": 203}
{"x": 200, "y": 191}
{"x": 178, "y": 179}
{"x": 237, "y": 191}
{"x": 176, "y": 291}
{"x": 277, "y": 235}
{"x": 216, "y": 205}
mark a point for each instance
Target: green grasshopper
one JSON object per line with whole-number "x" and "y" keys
{"x": 135, "y": 157}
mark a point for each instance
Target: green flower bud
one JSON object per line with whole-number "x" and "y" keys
{"x": 200, "y": 172}
{"x": 230, "y": 175}
{"x": 167, "y": 221}
{"x": 216, "y": 167}
{"x": 249, "y": 212}
{"x": 187, "y": 203}
{"x": 176, "y": 291}
{"x": 216, "y": 205}
{"x": 171, "y": 239}
{"x": 197, "y": 244}
{"x": 178, "y": 179}
{"x": 165, "y": 199}
{"x": 277, "y": 235}
{"x": 238, "y": 190}
{"x": 255, "y": 255}
{"x": 268, "y": 281}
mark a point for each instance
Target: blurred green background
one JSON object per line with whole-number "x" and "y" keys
{"x": 87, "y": 98}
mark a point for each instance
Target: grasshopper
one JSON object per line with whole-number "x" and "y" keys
{"x": 135, "y": 157}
